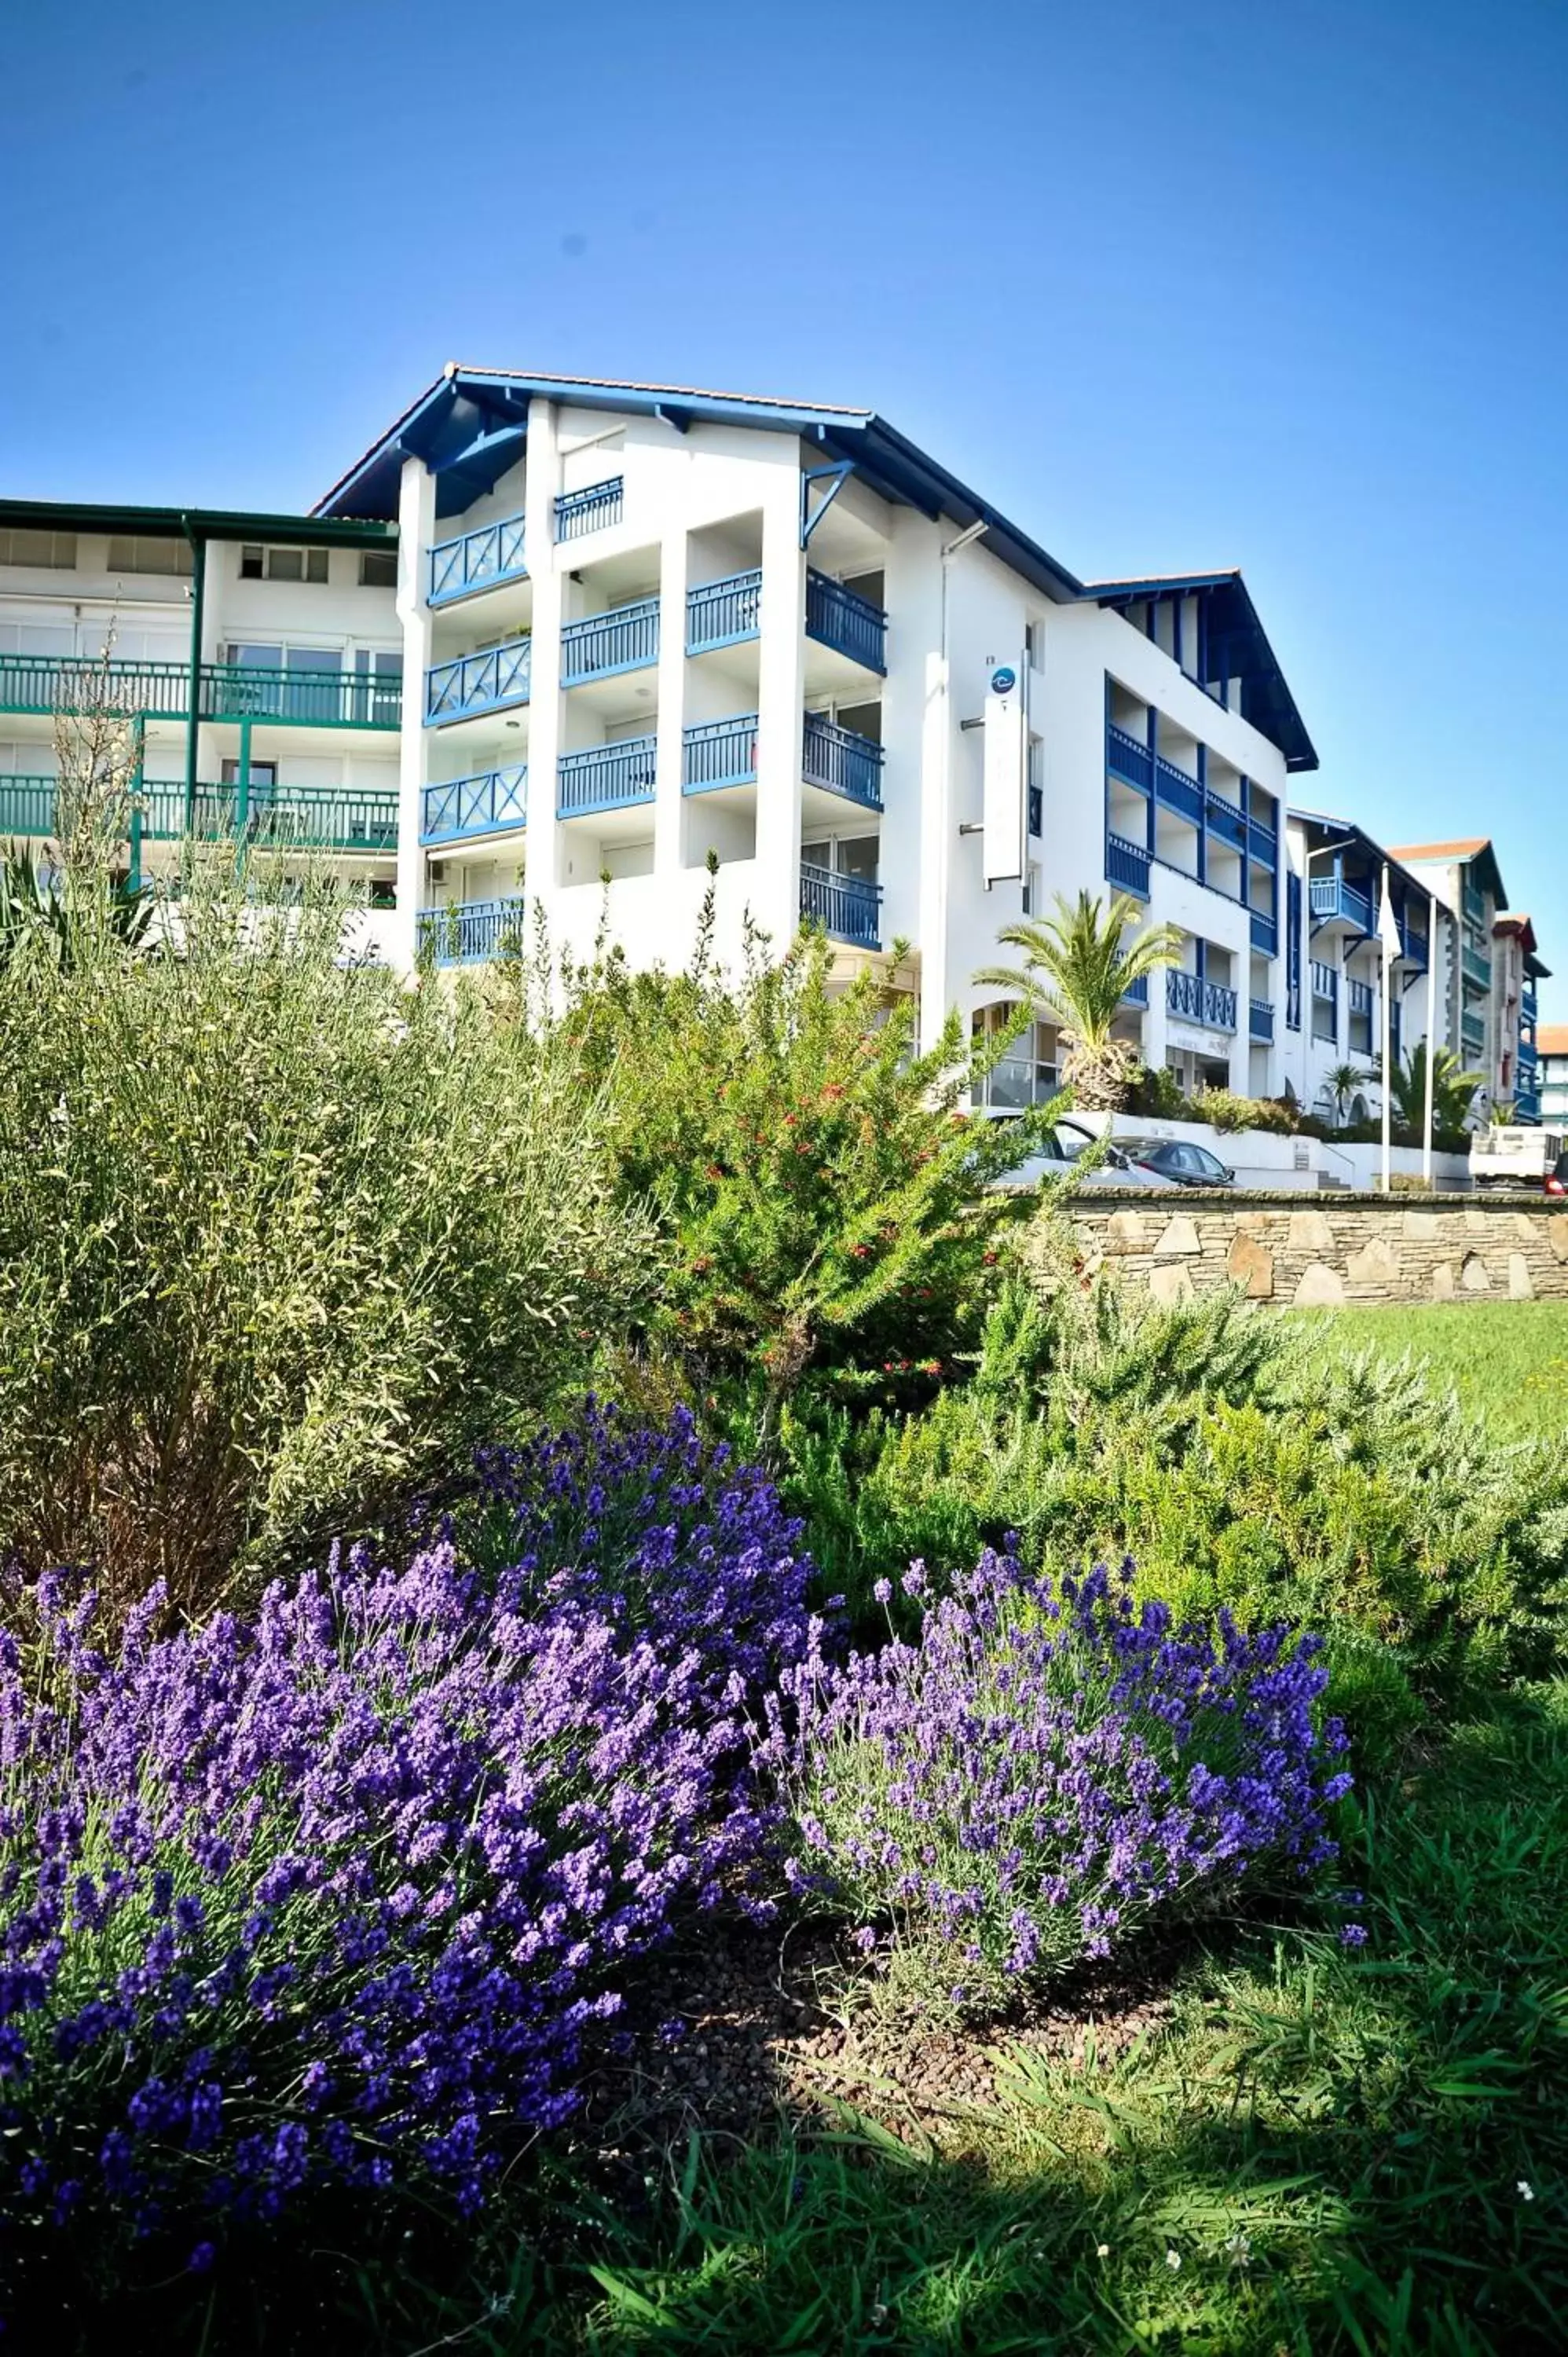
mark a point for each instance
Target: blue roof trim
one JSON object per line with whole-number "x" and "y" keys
{"x": 1346, "y": 831}
{"x": 1266, "y": 700}
{"x": 470, "y": 426}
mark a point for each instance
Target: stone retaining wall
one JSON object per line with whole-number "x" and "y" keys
{"x": 1345, "y": 1248}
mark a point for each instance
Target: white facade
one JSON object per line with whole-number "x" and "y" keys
{"x": 644, "y": 644}
{"x": 552, "y": 647}
{"x": 290, "y": 663}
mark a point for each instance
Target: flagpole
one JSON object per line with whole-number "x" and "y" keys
{"x": 1388, "y": 1029}
{"x": 1430, "y": 1033}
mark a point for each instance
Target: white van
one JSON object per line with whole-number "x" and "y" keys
{"x": 1514, "y": 1157}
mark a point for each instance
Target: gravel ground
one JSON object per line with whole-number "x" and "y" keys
{"x": 726, "y": 2036}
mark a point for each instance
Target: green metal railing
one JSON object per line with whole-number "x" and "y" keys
{"x": 48, "y": 683}
{"x": 240, "y": 692}
{"x": 306, "y": 818}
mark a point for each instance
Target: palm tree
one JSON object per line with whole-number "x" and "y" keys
{"x": 1453, "y": 1091}
{"x": 1077, "y": 971}
{"x": 1341, "y": 1085}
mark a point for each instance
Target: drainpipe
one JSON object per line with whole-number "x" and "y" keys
{"x": 198, "y": 585}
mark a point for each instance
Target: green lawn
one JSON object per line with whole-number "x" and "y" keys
{"x": 1506, "y": 1359}
{"x": 1327, "y": 2149}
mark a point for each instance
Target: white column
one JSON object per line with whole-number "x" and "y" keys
{"x": 780, "y": 703}
{"x": 416, "y": 529}
{"x": 669, "y": 809}
{"x": 548, "y": 573}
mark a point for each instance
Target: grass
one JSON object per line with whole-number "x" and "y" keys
{"x": 1326, "y": 2150}
{"x": 1508, "y": 1360}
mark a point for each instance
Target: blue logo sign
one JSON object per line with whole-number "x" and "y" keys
{"x": 1004, "y": 681}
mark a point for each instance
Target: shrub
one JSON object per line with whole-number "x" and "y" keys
{"x": 826, "y": 1198}
{"x": 334, "y": 1897}
{"x": 1046, "y": 1770}
{"x": 279, "y": 1240}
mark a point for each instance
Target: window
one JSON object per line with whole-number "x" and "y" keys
{"x": 264, "y": 775}
{"x": 52, "y": 548}
{"x": 1034, "y": 645}
{"x": 132, "y": 552}
{"x": 377, "y": 568}
{"x": 282, "y": 564}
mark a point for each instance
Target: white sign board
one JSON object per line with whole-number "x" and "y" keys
{"x": 1006, "y": 763}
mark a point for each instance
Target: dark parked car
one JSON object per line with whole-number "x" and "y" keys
{"x": 1556, "y": 1180}
{"x": 1189, "y": 1166}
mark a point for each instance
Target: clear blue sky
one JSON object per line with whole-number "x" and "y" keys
{"x": 1284, "y": 284}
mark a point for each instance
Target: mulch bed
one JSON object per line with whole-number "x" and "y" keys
{"x": 726, "y": 2036}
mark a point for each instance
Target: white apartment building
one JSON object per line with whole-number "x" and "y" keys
{"x": 552, "y": 644}
{"x": 1490, "y": 1003}
{"x": 1551, "y": 1041}
{"x": 258, "y": 658}
{"x": 649, "y": 624}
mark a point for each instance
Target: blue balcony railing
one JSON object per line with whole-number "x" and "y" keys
{"x": 1528, "y": 1055}
{"x": 1177, "y": 791}
{"x": 847, "y": 907}
{"x": 627, "y": 639}
{"x": 302, "y": 818}
{"x": 606, "y": 777}
{"x": 1412, "y": 945}
{"x": 490, "y": 682}
{"x": 493, "y": 801}
{"x": 1473, "y": 1034}
{"x": 1128, "y": 759}
{"x": 1136, "y": 993}
{"x": 1527, "y": 1103}
{"x": 1477, "y": 969}
{"x": 839, "y": 618}
{"x": 471, "y": 929}
{"x": 1212, "y": 1003}
{"x": 1127, "y": 866}
{"x": 48, "y": 683}
{"x": 1262, "y": 843}
{"x": 1334, "y": 901}
{"x": 577, "y": 512}
{"x": 841, "y": 761}
{"x": 719, "y": 753}
{"x": 1529, "y": 1004}
{"x": 1226, "y": 821}
{"x": 481, "y": 559}
{"x": 1358, "y": 996}
{"x": 722, "y": 613}
{"x": 1260, "y": 1020}
{"x": 1265, "y": 932}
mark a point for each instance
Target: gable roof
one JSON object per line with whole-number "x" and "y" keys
{"x": 1552, "y": 1038}
{"x": 1465, "y": 849}
{"x": 470, "y": 428}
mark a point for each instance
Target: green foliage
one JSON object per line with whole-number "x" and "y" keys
{"x": 826, "y": 1199}
{"x": 1077, "y": 968}
{"x": 278, "y": 1239}
{"x": 1453, "y": 1091}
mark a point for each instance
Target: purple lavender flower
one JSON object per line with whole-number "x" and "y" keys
{"x": 1046, "y": 1768}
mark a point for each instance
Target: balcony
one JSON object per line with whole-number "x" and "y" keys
{"x": 301, "y": 698}
{"x": 1526, "y": 1102}
{"x": 606, "y": 777}
{"x": 1412, "y": 945}
{"x": 46, "y": 684}
{"x": 1265, "y": 932}
{"x": 1529, "y": 1056}
{"x": 491, "y": 682}
{"x": 724, "y": 613}
{"x": 1127, "y": 866}
{"x": 306, "y": 818}
{"x": 719, "y": 753}
{"x": 852, "y": 625}
{"x": 1528, "y": 1005}
{"x": 577, "y": 512}
{"x": 1474, "y": 904}
{"x": 471, "y": 931}
{"x": 846, "y": 906}
{"x": 1260, "y": 1020}
{"x": 1333, "y": 901}
{"x": 627, "y": 639}
{"x": 841, "y": 761}
{"x": 1475, "y": 969}
{"x": 1210, "y": 1004}
{"x": 1262, "y": 843}
{"x": 1136, "y": 993}
{"x": 1473, "y": 1034}
{"x": 1126, "y": 758}
{"x": 1359, "y": 996}
{"x": 1177, "y": 791}
{"x": 1225, "y": 819}
{"x": 494, "y": 802}
{"x": 476, "y": 560}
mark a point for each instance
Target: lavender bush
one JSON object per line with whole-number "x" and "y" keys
{"x": 333, "y": 1895}
{"x": 1046, "y": 1768}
